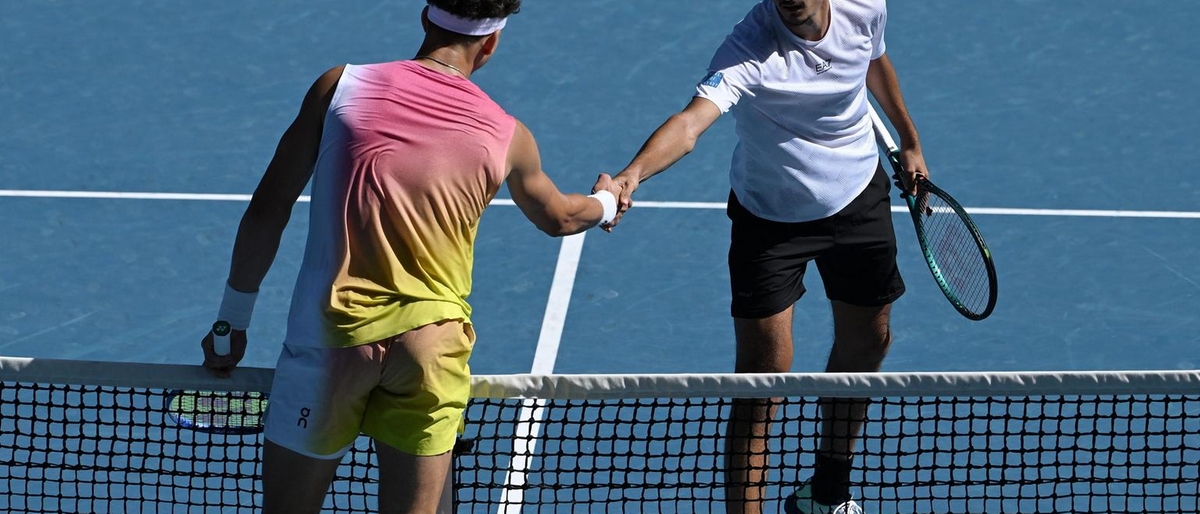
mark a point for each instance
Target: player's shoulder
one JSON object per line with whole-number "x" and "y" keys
{"x": 321, "y": 91}
{"x": 869, "y": 5}
{"x": 521, "y": 135}
{"x": 756, "y": 25}
{"x": 331, "y": 76}
{"x": 867, "y": 10}
{"x": 752, "y": 38}
{"x": 325, "y": 84}
{"x": 376, "y": 67}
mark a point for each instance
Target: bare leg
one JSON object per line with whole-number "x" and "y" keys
{"x": 861, "y": 341}
{"x": 763, "y": 346}
{"x": 409, "y": 484}
{"x": 294, "y": 483}
{"x": 446, "y": 505}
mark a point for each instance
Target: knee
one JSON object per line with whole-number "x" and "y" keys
{"x": 880, "y": 340}
{"x": 864, "y": 352}
{"x": 863, "y": 329}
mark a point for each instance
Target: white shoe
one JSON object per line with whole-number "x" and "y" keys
{"x": 801, "y": 502}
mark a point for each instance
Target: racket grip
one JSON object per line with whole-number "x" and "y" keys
{"x": 220, "y": 332}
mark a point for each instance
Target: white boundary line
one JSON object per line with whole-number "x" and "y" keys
{"x": 556, "y": 307}
{"x": 996, "y": 211}
{"x": 1082, "y": 213}
{"x": 533, "y": 412}
{"x": 119, "y": 195}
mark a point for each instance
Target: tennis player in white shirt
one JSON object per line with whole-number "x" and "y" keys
{"x": 806, "y": 185}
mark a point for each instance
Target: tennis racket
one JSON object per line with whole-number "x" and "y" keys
{"x": 217, "y": 412}
{"x": 952, "y": 246}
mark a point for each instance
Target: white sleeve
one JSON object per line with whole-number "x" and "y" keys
{"x": 726, "y": 85}
{"x": 878, "y": 46}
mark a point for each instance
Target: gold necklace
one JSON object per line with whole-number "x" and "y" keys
{"x": 439, "y": 61}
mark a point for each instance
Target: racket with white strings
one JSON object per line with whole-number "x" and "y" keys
{"x": 953, "y": 248}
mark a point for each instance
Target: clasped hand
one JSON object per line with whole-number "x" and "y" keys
{"x": 622, "y": 187}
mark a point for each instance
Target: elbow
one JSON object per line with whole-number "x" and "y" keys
{"x": 562, "y": 226}
{"x": 549, "y": 225}
{"x": 558, "y": 228}
{"x": 552, "y": 230}
{"x": 564, "y": 216}
{"x": 266, "y": 215}
{"x": 687, "y": 145}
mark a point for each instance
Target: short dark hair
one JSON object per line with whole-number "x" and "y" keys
{"x": 478, "y": 9}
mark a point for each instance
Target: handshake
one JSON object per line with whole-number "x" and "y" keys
{"x": 621, "y": 187}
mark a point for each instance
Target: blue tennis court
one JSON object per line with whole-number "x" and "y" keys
{"x": 133, "y": 133}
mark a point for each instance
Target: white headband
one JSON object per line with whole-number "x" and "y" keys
{"x": 481, "y": 27}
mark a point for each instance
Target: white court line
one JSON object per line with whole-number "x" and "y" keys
{"x": 556, "y": 307}
{"x": 1082, "y": 213}
{"x": 533, "y": 412}
{"x": 997, "y": 211}
{"x": 129, "y": 195}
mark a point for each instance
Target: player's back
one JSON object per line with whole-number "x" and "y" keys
{"x": 409, "y": 159}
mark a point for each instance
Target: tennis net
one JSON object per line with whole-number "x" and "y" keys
{"x": 80, "y": 436}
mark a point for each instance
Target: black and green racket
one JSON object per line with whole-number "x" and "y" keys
{"x": 951, "y": 243}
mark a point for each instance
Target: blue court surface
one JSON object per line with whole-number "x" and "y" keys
{"x": 1068, "y": 126}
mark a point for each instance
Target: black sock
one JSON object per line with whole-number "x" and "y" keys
{"x": 831, "y": 480}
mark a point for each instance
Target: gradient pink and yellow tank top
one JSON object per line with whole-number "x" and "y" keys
{"x": 409, "y": 159}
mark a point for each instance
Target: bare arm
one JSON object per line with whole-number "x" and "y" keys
{"x": 553, "y": 212}
{"x": 885, "y": 87}
{"x": 270, "y": 208}
{"x": 674, "y": 139}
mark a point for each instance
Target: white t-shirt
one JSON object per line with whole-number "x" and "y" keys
{"x": 806, "y": 147}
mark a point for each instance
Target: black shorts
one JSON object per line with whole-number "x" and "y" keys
{"x": 855, "y": 251}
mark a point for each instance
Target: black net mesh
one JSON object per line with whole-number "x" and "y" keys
{"x": 80, "y": 448}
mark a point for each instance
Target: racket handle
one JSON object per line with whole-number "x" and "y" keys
{"x": 220, "y": 332}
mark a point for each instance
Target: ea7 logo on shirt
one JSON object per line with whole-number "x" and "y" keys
{"x": 713, "y": 79}
{"x": 823, "y": 67}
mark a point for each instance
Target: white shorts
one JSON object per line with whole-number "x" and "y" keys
{"x": 408, "y": 392}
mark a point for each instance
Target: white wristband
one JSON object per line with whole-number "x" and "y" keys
{"x": 609, "y": 202}
{"x": 237, "y": 307}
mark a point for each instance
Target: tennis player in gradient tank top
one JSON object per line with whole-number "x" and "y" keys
{"x": 403, "y": 157}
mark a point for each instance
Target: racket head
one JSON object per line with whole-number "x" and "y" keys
{"x": 957, "y": 255}
{"x": 217, "y": 412}
{"x": 971, "y": 289}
